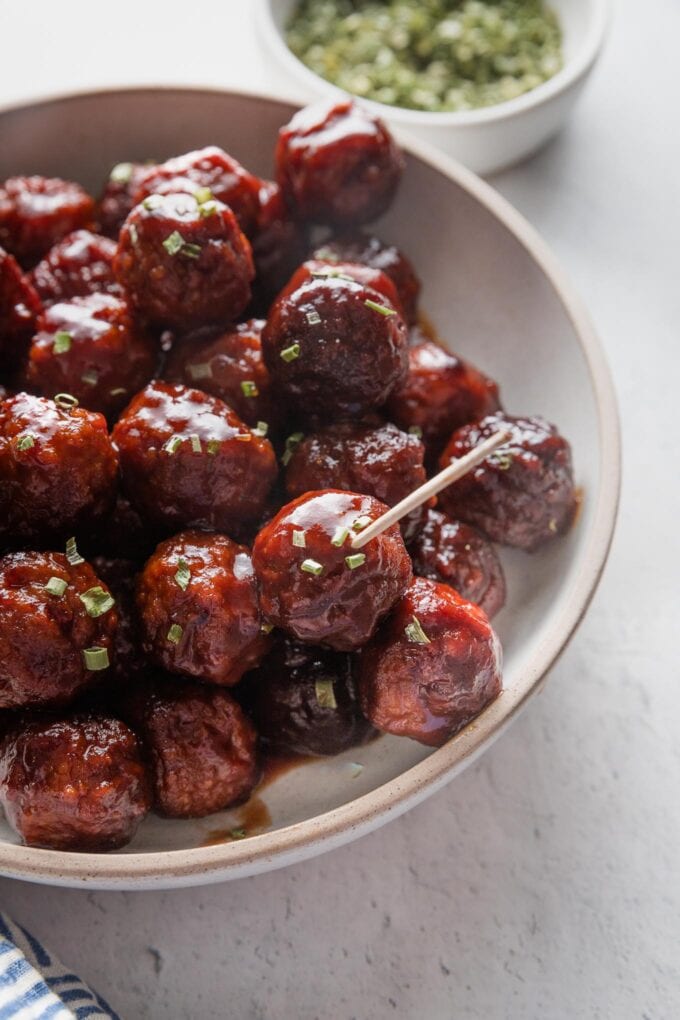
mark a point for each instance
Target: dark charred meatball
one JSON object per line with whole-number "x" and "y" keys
{"x": 523, "y": 493}
{"x": 201, "y": 748}
{"x": 198, "y": 607}
{"x": 229, "y": 365}
{"x": 36, "y": 212}
{"x": 380, "y": 461}
{"x": 334, "y": 348}
{"x": 184, "y": 263}
{"x": 440, "y": 393}
{"x": 57, "y": 628}
{"x": 210, "y": 174}
{"x": 20, "y": 308}
{"x": 80, "y": 264}
{"x": 369, "y": 251}
{"x": 313, "y": 585}
{"x": 58, "y": 468}
{"x": 74, "y": 784}
{"x": 303, "y": 700}
{"x": 117, "y": 200}
{"x": 279, "y": 244}
{"x": 187, "y": 460}
{"x": 455, "y": 554}
{"x": 337, "y": 164}
{"x": 91, "y": 347}
{"x": 432, "y": 667}
{"x": 366, "y": 275}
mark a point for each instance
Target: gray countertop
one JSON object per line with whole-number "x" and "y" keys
{"x": 544, "y": 881}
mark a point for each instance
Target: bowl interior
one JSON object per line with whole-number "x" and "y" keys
{"x": 490, "y": 300}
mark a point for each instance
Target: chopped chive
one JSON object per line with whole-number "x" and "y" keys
{"x": 96, "y": 659}
{"x": 313, "y": 318}
{"x": 182, "y": 574}
{"x": 172, "y": 444}
{"x": 382, "y": 309}
{"x": 173, "y": 243}
{"x": 355, "y": 560}
{"x": 90, "y": 378}
{"x": 121, "y": 173}
{"x": 261, "y": 429}
{"x": 415, "y": 430}
{"x": 203, "y": 370}
{"x": 415, "y": 633}
{"x": 502, "y": 461}
{"x": 72, "y": 554}
{"x": 66, "y": 401}
{"x": 312, "y": 567}
{"x": 175, "y": 633}
{"x": 118, "y": 392}
{"x": 134, "y": 236}
{"x": 249, "y": 388}
{"x": 25, "y": 442}
{"x": 290, "y": 353}
{"x": 96, "y": 601}
{"x": 267, "y": 628}
{"x": 360, "y": 523}
{"x": 62, "y": 342}
{"x": 213, "y": 446}
{"x": 192, "y": 251}
{"x": 206, "y": 209}
{"x": 203, "y": 195}
{"x": 340, "y": 536}
{"x": 293, "y": 440}
{"x": 332, "y": 274}
{"x": 325, "y": 695}
{"x": 152, "y": 202}
{"x": 56, "y": 586}
{"x": 239, "y": 833}
{"x": 196, "y": 444}
{"x": 299, "y": 539}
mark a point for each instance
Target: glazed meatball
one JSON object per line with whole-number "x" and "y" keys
{"x": 303, "y": 700}
{"x": 36, "y": 212}
{"x": 369, "y": 251}
{"x": 229, "y": 365}
{"x": 523, "y": 493}
{"x": 20, "y": 308}
{"x": 91, "y": 348}
{"x": 366, "y": 275}
{"x": 80, "y": 264}
{"x": 380, "y": 461}
{"x": 57, "y": 628}
{"x": 187, "y": 460}
{"x": 432, "y": 667}
{"x": 211, "y": 174}
{"x": 201, "y": 748}
{"x": 117, "y": 200}
{"x": 455, "y": 554}
{"x": 278, "y": 242}
{"x": 198, "y": 606}
{"x": 335, "y": 349}
{"x": 337, "y": 164}
{"x": 313, "y": 585}
{"x": 58, "y": 469}
{"x": 184, "y": 263}
{"x": 74, "y": 784}
{"x": 440, "y": 393}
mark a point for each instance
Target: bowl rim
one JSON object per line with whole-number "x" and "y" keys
{"x": 573, "y": 70}
{"x": 293, "y": 843}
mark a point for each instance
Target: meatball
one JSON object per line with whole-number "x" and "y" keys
{"x": 278, "y": 241}
{"x": 198, "y": 608}
{"x": 58, "y": 468}
{"x": 184, "y": 263}
{"x": 303, "y": 700}
{"x": 455, "y": 554}
{"x": 188, "y": 460}
{"x": 311, "y": 583}
{"x": 74, "y": 784}
{"x": 229, "y": 365}
{"x": 91, "y": 348}
{"x": 20, "y": 308}
{"x": 523, "y": 493}
{"x": 432, "y": 666}
{"x": 36, "y": 212}
{"x": 80, "y": 264}
{"x": 209, "y": 173}
{"x": 380, "y": 461}
{"x": 117, "y": 202}
{"x": 57, "y": 627}
{"x": 366, "y": 275}
{"x": 337, "y": 164}
{"x": 335, "y": 348}
{"x": 369, "y": 251}
{"x": 201, "y": 748}
{"x": 440, "y": 393}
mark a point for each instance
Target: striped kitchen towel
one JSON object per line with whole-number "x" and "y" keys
{"x": 34, "y": 985}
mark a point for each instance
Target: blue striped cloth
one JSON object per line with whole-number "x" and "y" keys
{"x": 34, "y": 985}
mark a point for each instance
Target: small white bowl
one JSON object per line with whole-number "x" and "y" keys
{"x": 490, "y": 138}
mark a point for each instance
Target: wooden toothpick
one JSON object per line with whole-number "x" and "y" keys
{"x": 450, "y": 474}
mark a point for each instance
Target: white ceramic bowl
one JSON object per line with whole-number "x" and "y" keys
{"x": 484, "y": 140}
{"x": 496, "y": 295}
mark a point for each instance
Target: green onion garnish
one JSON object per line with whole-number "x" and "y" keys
{"x": 175, "y": 633}
{"x": 415, "y": 633}
{"x": 182, "y": 574}
{"x": 206, "y": 209}
{"x": 299, "y": 539}
{"x": 202, "y": 370}
{"x": 192, "y": 251}
{"x": 415, "y": 430}
{"x": 249, "y": 388}
{"x": 340, "y": 536}
{"x": 239, "y": 833}
{"x": 90, "y": 378}
{"x": 173, "y": 243}
{"x": 502, "y": 461}
{"x": 134, "y": 236}
{"x": 56, "y": 586}
{"x": 361, "y": 523}
{"x": 66, "y": 401}
{"x": 172, "y": 444}
{"x": 118, "y": 392}
{"x": 332, "y": 274}
{"x": 196, "y": 444}
{"x": 267, "y": 628}
{"x": 25, "y": 442}
{"x": 290, "y": 353}
{"x": 382, "y": 309}
{"x": 203, "y": 195}
{"x": 312, "y": 567}
{"x": 293, "y": 440}
{"x": 121, "y": 173}
{"x": 96, "y": 601}
{"x": 325, "y": 695}
{"x": 213, "y": 446}
{"x": 261, "y": 429}
{"x": 62, "y": 342}
{"x": 355, "y": 560}
{"x": 96, "y": 659}
{"x": 72, "y": 554}
{"x": 313, "y": 318}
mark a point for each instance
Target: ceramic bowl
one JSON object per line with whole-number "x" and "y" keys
{"x": 485, "y": 140}
{"x": 497, "y": 296}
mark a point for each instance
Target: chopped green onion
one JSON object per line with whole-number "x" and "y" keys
{"x": 206, "y": 209}
{"x": 72, "y": 554}
{"x": 355, "y": 560}
{"x": 175, "y": 633}
{"x": 502, "y": 461}
{"x": 203, "y": 370}
{"x": 333, "y": 274}
{"x": 121, "y": 173}
{"x": 261, "y": 429}
{"x": 152, "y": 202}
{"x": 249, "y": 388}
{"x": 172, "y": 444}
{"x": 56, "y": 586}
{"x": 90, "y": 378}
{"x": 118, "y": 392}
{"x": 340, "y": 536}
{"x": 239, "y": 833}
{"x": 62, "y": 342}
{"x": 173, "y": 243}
{"x": 313, "y": 318}
{"x": 325, "y": 695}
{"x": 66, "y": 401}
{"x": 134, "y": 236}
{"x": 192, "y": 251}
{"x": 96, "y": 659}
{"x": 203, "y": 195}
{"x": 96, "y": 601}
{"x": 196, "y": 444}
{"x": 293, "y": 440}
{"x": 415, "y": 633}
{"x": 382, "y": 309}
{"x": 312, "y": 567}
{"x": 213, "y": 446}
{"x": 361, "y": 523}
{"x": 267, "y": 628}
{"x": 182, "y": 574}
{"x": 290, "y": 353}
{"x": 299, "y": 539}
{"x": 25, "y": 442}
{"x": 415, "y": 430}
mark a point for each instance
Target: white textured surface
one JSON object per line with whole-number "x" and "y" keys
{"x": 543, "y": 883}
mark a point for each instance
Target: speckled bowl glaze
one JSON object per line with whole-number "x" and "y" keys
{"x": 496, "y": 295}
